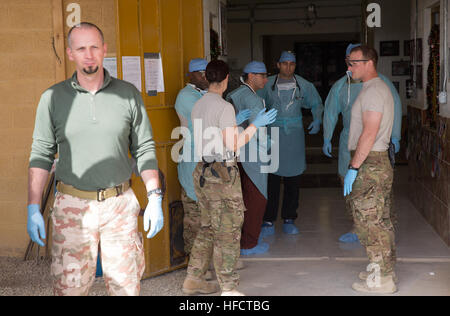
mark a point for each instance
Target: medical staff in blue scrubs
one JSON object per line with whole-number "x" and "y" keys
{"x": 185, "y": 101}
{"x": 251, "y": 158}
{"x": 289, "y": 93}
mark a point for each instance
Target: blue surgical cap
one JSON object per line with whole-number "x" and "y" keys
{"x": 350, "y": 47}
{"x": 255, "y": 67}
{"x": 287, "y": 56}
{"x": 197, "y": 64}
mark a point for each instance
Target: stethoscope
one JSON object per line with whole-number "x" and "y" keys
{"x": 254, "y": 92}
{"x": 202, "y": 92}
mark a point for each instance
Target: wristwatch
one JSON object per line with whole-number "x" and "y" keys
{"x": 155, "y": 191}
{"x": 350, "y": 167}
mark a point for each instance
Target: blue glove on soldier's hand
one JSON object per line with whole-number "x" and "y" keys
{"x": 348, "y": 181}
{"x": 35, "y": 224}
{"x": 327, "y": 148}
{"x": 265, "y": 118}
{"x": 242, "y": 116}
{"x": 396, "y": 143}
{"x": 153, "y": 215}
{"x": 314, "y": 127}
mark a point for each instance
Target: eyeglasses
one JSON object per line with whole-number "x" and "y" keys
{"x": 261, "y": 74}
{"x": 351, "y": 62}
{"x": 202, "y": 72}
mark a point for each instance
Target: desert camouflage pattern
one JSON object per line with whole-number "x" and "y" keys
{"x": 222, "y": 215}
{"x": 389, "y": 204}
{"x": 191, "y": 221}
{"x": 371, "y": 206}
{"x": 78, "y": 227}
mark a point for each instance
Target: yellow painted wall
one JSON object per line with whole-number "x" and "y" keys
{"x": 27, "y": 68}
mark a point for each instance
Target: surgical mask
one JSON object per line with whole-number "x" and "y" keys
{"x": 286, "y": 86}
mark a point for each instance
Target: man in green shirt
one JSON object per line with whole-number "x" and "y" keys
{"x": 92, "y": 121}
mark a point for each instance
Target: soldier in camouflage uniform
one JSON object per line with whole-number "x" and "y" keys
{"x": 218, "y": 186}
{"x": 222, "y": 214}
{"x": 368, "y": 182}
{"x": 92, "y": 121}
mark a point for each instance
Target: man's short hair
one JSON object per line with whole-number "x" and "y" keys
{"x": 368, "y": 53}
{"x": 85, "y": 25}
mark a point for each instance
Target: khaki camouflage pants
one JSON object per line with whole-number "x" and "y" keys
{"x": 78, "y": 227}
{"x": 370, "y": 205}
{"x": 389, "y": 204}
{"x": 191, "y": 221}
{"x": 222, "y": 214}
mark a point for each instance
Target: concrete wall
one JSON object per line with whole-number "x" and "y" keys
{"x": 395, "y": 26}
{"x": 429, "y": 148}
{"x": 28, "y": 67}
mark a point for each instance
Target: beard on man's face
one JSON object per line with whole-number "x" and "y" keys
{"x": 90, "y": 70}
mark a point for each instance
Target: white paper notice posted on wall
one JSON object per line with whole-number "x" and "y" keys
{"x": 131, "y": 70}
{"x": 154, "y": 76}
{"x": 110, "y": 64}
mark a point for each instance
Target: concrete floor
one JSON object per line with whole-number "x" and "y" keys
{"x": 316, "y": 263}
{"x": 311, "y": 263}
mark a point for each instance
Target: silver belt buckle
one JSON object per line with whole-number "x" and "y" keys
{"x": 101, "y": 195}
{"x": 119, "y": 189}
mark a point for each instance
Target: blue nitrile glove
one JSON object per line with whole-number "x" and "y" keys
{"x": 327, "y": 148}
{"x": 153, "y": 215}
{"x": 348, "y": 181}
{"x": 396, "y": 143}
{"x": 35, "y": 224}
{"x": 242, "y": 116}
{"x": 265, "y": 118}
{"x": 314, "y": 127}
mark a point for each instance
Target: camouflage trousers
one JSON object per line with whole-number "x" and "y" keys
{"x": 370, "y": 205}
{"x": 222, "y": 215}
{"x": 191, "y": 221}
{"x": 389, "y": 204}
{"x": 79, "y": 226}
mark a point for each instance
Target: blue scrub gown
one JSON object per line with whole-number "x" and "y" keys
{"x": 292, "y": 160}
{"x": 183, "y": 105}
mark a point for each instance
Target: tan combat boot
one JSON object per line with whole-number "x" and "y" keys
{"x": 193, "y": 286}
{"x": 385, "y": 286}
{"x": 364, "y": 274}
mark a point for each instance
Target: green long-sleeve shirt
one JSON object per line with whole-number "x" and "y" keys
{"x": 92, "y": 133}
